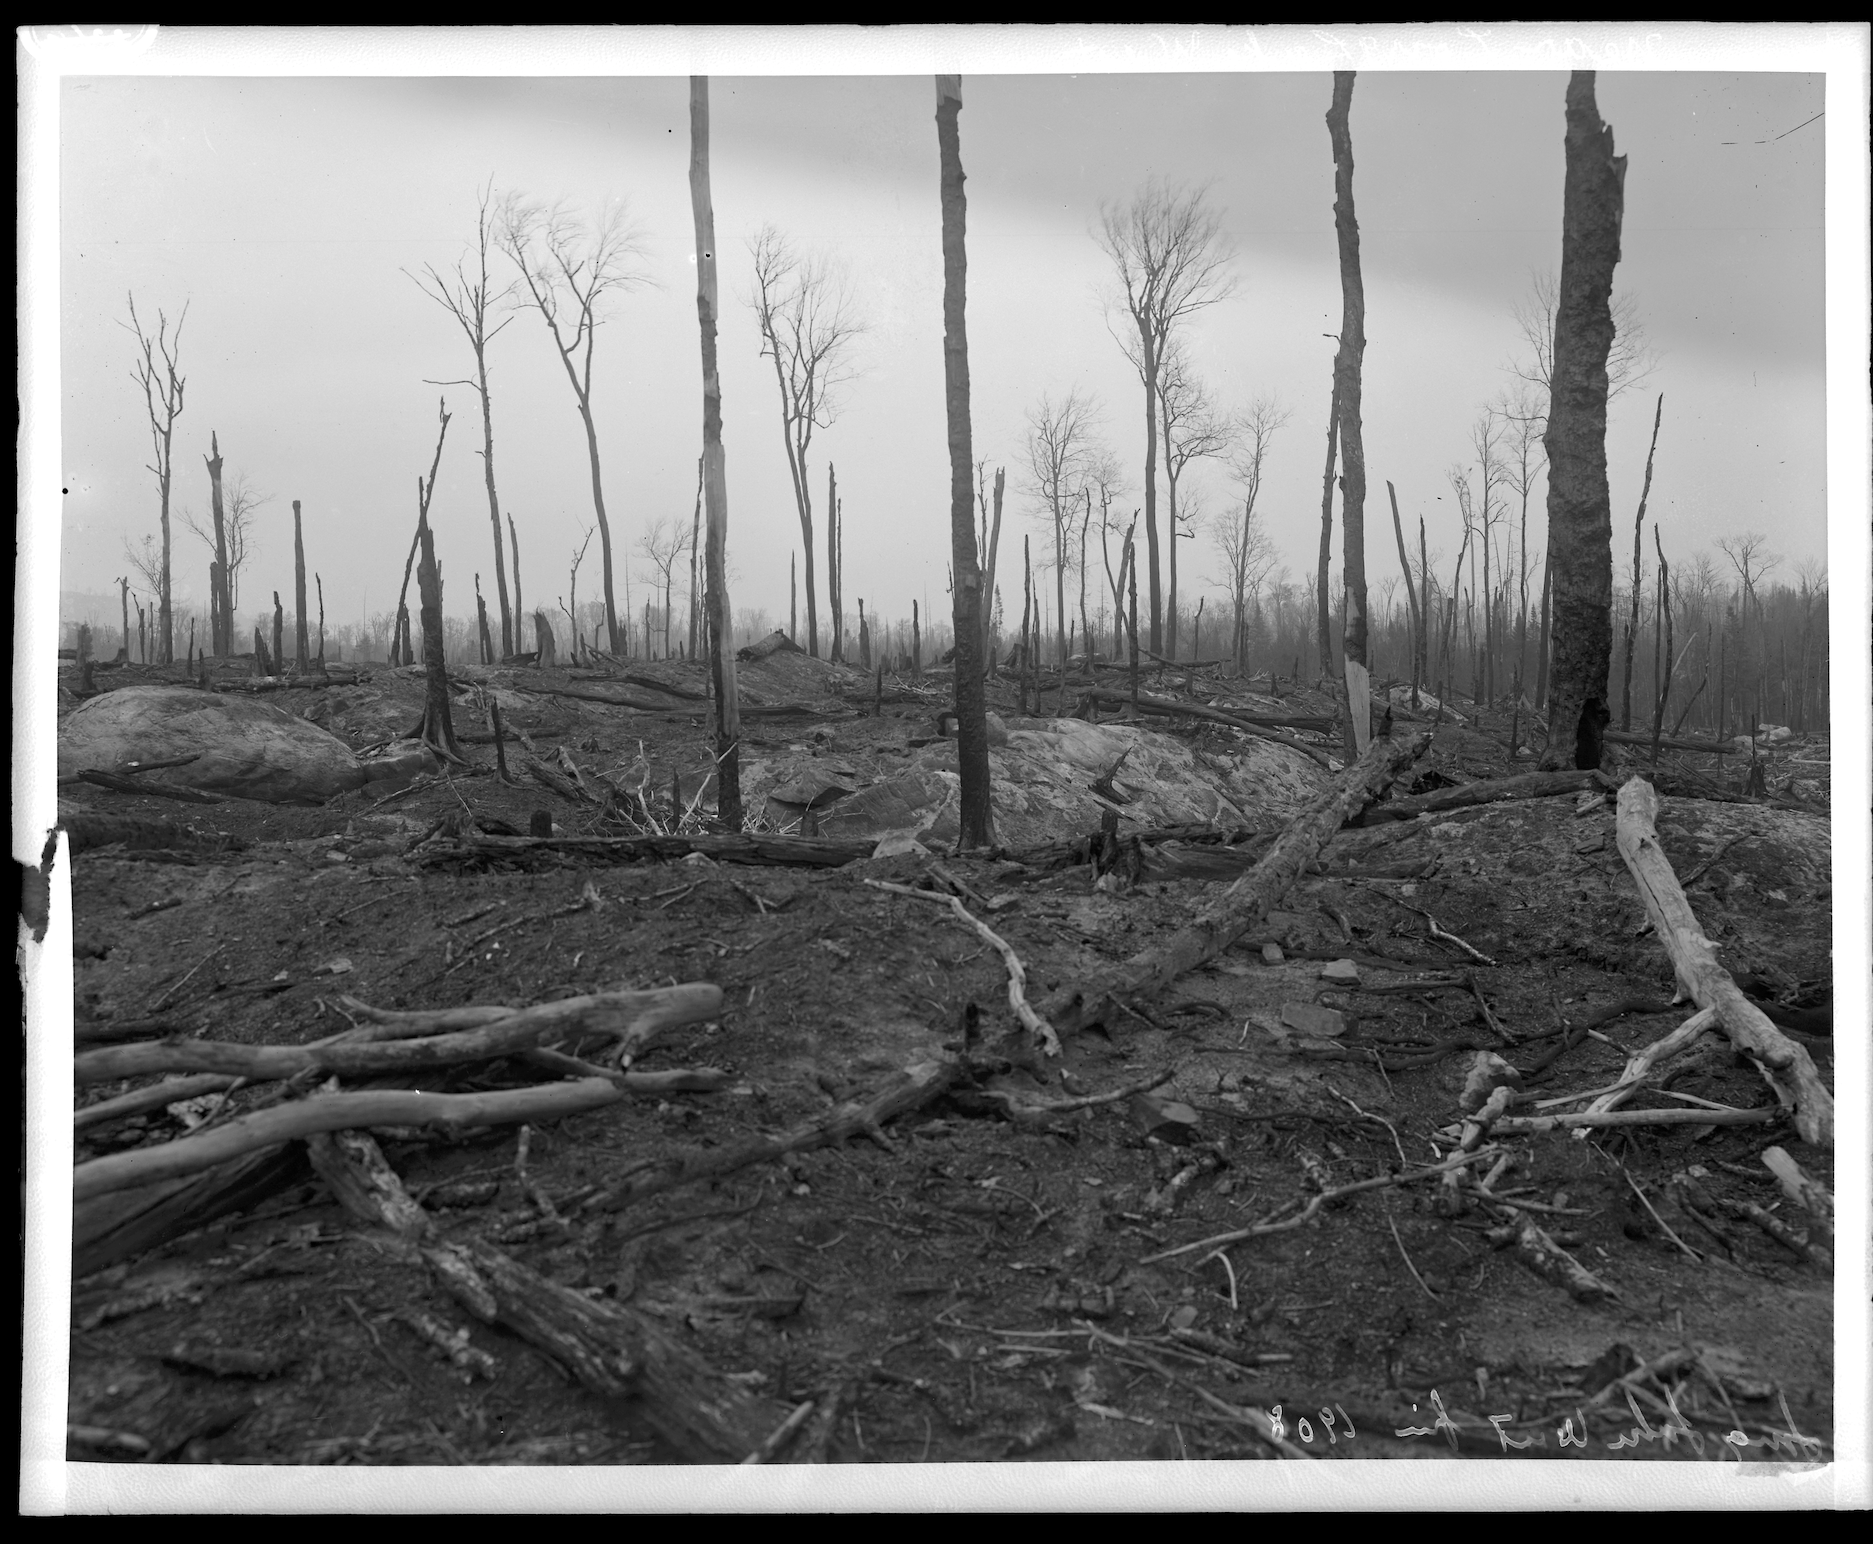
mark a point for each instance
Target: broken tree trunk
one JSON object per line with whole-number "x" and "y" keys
{"x": 546, "y": 648}
{"x": 279, "y": 636}
{"x": 761, "y": 848}
{"x": 1789, "y": 1069}
{"x": 1638, "y": 534}
{"x": 437, "y": 729}
{"x": 1158, "y": 705}
{"x": 1346, "y": 376}
{"x": 728, "y": 808}
{"x": 302, "y": 654}
{"x": 1411, "y": 594}
{"x": 1530, "y": 785}
{"x": 968, "y": 608}
{"x": 1580, "y": 519}
{"x": 608, "y": 1349}
{"x": 1245, "y": 903}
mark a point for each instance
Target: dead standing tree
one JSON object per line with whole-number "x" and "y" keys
{"x": 469, "y": 298}
{"x": 1168, "y": 249}
{"x": 988, "y": 548}
{"x": 1347, "y": 364}
{"x": 1638, "y": 578}
{"x": 437, "y": 728}
{"x": 715, "y": 473}
{"x": 302, "y": 645}
{"x": 1580, "y": 520}
{"x": 1058, "y": 447}
{"x": 666, "y": 544}
{"x": 972, "y": 740}
{"x": 1192, "y": 430}
{"x": 569, "y": 270}
{"x": 220, "y": 585}
{"x": 163, "y": 385}
{"x": 808, "y": 325}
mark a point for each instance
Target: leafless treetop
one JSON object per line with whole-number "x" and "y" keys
{"x": 809, "y": 322}
{"x": 569, "y": 267}
{"x": 1060, "y": 449}
{"x": 1632, "y": 357}
{"x": 157, "y": 373}
{"x": 466, "y": 293}
{"x": 1170, "y": 257}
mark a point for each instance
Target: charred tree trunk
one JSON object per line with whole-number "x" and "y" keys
{"x": 1323, "y": 595}
{"x": 321, "y": 586}
{"x": 513, "y": 538}
{"x": 279, "y": 633}
{"x": 223, "y": 643}
{"x": 988, "y": 574}
{"x": 1347, "y": 365}
{"x": 481, "y": 621}
{"x": 1411, "y": 592}
{"x": 1663, "y": 660}
{"x": 1638, "y": 531}
{"x": 972, "y": 745}
{"x": 1580, "y": 526}
{"x": 715, "y": 479}
{"x": 302, "y": 654}
{"x": 437, "y": 729}
{"x": 835, "y": 550}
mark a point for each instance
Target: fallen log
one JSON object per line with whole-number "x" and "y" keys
{"x": 1529, "y": 1125}
{"x": 1787, "y": 1066}
{"x": 1247, "y": 902}
{"x": 764, "y": 848}
{"x": 337, "y": 1112}
{"x": 629, "y": 1017}
{"x": 608, "y": 1349}
{"x": 124, "y": 1223}
{"x": 630, "y": 678}
{"x": 149, "y": 786}
{"x": 157, "y": 1095}
{"x": 1669, "y": 742}
{"x": 86, "y": 830}
{"x": 1530, "y": 785}
{"x": 1164, "y": 708}
{"x": 776, "y": 642}
{"x": 913, "y": 1088}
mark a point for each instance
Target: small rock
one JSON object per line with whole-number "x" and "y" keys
{"x": 896, "y": 844}
{"x": 540, "y": 823}
{"x": 1271, "y": 953}
{"x": 998, "y": 731}
{"x": 1487, "y": 1073}
{"x": 1341, "y": 970}
{"x": 1311, "y": 1020}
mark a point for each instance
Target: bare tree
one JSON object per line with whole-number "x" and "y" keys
{"x": 1523, "y": 416}
{"x": 572, "y": 584}
{"x": 1347, "y": 363}
{"x": 1486, "y": 439}
{"x": 1169, "y": 253}
{"x": 156, "y": 371}
{"x": 241, "y": 502}
{"x": 666, "y": 544}
{"x": 808, "y": 323}
{"x": 1193, "y": 430}
{"x": 470, "y": 297}
{"x": 975, "y": 815}
{"x": 1059, "y": 444}
{"x": 1580, "y": 517}
{"x": 569, "y": 269}
{"x": 1247, "y": 550}
{"x": 1630, "y": 357}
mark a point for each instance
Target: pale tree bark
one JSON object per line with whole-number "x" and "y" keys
{"x": 1580, "y": 523}
{"x": 1168, "y": 251}
{"x": 470, "y": 298}
{"x": 715, "y": 478}
{"x": 972, "y": 744}
{"x": 568, "y": 272}
{"x": 1347, "y": 364}
{"x": 163, "y": 385}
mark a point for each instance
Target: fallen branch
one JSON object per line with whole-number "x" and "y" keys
{"x": 176, "y": 791}
{"x": 1641, "y": 1065}
{"x": 608, "y": 1349}
{"x": 1531, "y": 785}
{"x": 760, "y": 848}
{"x": 337, "y": 1112}
{"x": 1017, "y": 974}
{"x": 1778, "y": 1230}
{"x": 913, "y": 1088}
{"x": 1528, "y": 1125}
{"x": 1801, "y": 1188}
{"x": 1306, "y": 1215}
{"x": 1788, "y": 1068}
{"x": 631, "y": 1017}
{"x": 1669, "y": 742}
{"x": 105, "y": 1111}
{"x": 1245, "y": 903}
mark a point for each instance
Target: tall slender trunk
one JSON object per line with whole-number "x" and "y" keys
{"x": 224, "y": 634}
{"x": 1347, "y": 364}
{"x": 715, "y": 472}
{"x": 1638, "y": 531}
{"x": 1322, "y": 595}
{"x": 988, "y": 574}
{"x": 508, "y": 644}
{"x": 604, "y": 525}
{"x": 1423, "y": 666}
{"x": 520, "y": 609}
{"x": 1148, "y": 353}
{"x": 835, "y": 599}
{"x": 972, "y": 749}
{"x": 1411, "y": 594}
{"x": 1579, "y": 512}
{"x": 302, "y": 644}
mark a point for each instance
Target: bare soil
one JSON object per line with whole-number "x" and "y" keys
{"x": 981, "y": 1289}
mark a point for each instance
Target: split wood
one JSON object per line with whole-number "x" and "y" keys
{"x": 1787, "y": 1066}
{"x": 1017, "y": 973}
{"x": 1244, "y": 905}
{"x": 481, "y": 1034}
{"x": 1307, "y": 1214}
{"x": 609, "y": 1349}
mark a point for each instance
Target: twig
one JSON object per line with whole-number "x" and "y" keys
{"x": 1384, "y": 1182}
{"x": 1017, "y": 974}
{"x": 1407, "y": 1259}
{"x": 1234, "y": 1305}
{"x": 169, "y": 996}
{"x": 1645, "y": 1201}
{"x": 1448, "y": 937}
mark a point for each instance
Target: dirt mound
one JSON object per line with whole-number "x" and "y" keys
{"x": 241, "y": 746}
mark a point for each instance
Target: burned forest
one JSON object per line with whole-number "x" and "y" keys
{"x": 1170, "y": 980}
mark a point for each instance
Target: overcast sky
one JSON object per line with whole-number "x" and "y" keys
{"x": 284, "y": 211}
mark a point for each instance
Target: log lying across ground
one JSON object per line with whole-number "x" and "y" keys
{"x": 630, "y": 1017}
{"x": 801, "y": 851}
{"x": 1632, "y": 737}
{"x": 608, "y": 1348}
{"x": 1530, "y": 785}
{"x": 1165, "y": 708}
{"x": 1788, "y": 1067}
{"x": 1247, "y": 902}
